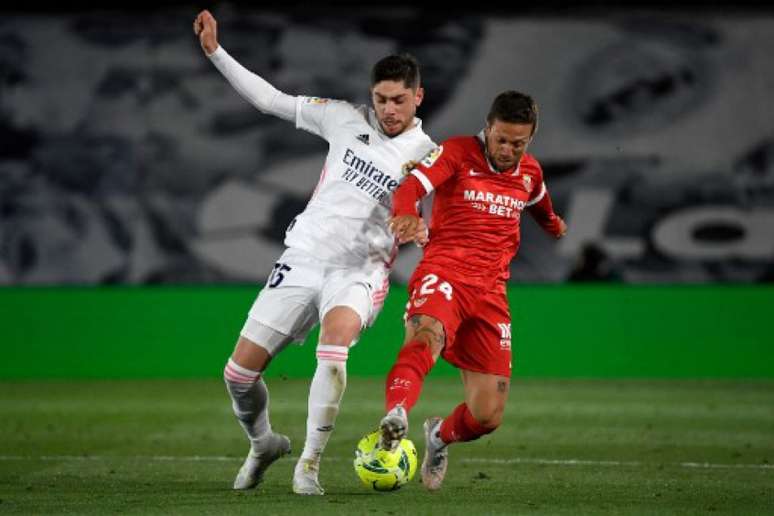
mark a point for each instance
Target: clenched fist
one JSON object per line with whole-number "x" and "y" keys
{"x": 407, "y": 228}
{"x": 206, "y": 28}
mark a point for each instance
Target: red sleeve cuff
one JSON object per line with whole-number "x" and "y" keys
{"x": 405, "y": 198}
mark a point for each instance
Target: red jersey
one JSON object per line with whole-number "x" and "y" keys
{"x": 474, "y": 228}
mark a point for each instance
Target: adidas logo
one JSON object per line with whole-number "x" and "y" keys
{"x": 363, "y": 138}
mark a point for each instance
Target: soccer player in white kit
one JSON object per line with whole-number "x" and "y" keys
{"x": 339, "y": 249}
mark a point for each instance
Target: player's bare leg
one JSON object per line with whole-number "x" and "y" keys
{"x": 340, "y": 327}
{"x": 422, "y": 345}
{"x": 480, "y": 414}
{"x": 486, "y": 396}
{"x": 250, "y": 401}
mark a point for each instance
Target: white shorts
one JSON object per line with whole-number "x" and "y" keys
{"x": 301, "y": 290}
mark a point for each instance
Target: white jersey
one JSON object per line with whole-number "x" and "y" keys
{"x": 345, "y": 221}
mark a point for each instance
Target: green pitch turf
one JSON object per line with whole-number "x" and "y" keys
{"x": 566, "y": 447}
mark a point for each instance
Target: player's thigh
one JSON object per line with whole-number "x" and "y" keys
{"x": 340, "y": 326}
{"x": 257, "y": 345}
{"x": 483, "y": 342}
{"x": 286, "y": 308}
{"x": 289, "y": 310}
{"x": 434, "y": 310}
{"x": 350, "y": 300}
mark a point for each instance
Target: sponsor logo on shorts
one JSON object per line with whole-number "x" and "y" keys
{"x": 419, "y": 302}
{"x": 505, "y": 335}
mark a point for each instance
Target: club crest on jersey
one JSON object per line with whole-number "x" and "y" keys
{"x": 363, "y": 138}
{"x": 317, "y": 100}
{"x": 527, "y": 183}
{"x": 432, "y": 156}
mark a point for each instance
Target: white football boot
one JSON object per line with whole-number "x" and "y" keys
{"x": 393, "y": 427}
{"x": 259, "y": 459}
{"x": 305, "y": 478}
{"x": 436, "y": 456}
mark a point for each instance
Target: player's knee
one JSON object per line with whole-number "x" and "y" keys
{"x": 250, "y": 355}
{"x": 340, "y": 327}
{"x": 490, "y": 416}
{"x": 425, "y": 339}
{"x": 339, "y": 336}
{"x": 421, "y": 347}
{"x": 427, "y": 331}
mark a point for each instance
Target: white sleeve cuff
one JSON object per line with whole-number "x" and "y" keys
{"x": 218, "y": 51}
{"x": 424, "y": 180}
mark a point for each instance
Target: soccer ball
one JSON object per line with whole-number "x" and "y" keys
{"x": 384, "y": 470}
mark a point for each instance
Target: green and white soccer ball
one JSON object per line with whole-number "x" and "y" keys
{"x": 384, "y": 470}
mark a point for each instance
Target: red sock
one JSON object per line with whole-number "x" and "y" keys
{"x": 404, "y": 381}
{"x": 460, "y": 425}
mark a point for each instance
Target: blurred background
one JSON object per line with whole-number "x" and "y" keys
{"x": 143, "y": 202}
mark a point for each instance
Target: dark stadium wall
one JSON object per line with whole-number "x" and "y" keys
{"x": 558, "y": 331}
{"x": 126, "y": 158}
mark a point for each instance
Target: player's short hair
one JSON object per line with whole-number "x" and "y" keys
{"x": 514, "y": 108}
{"x": 397, "y": 67}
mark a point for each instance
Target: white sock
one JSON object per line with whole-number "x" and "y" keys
{"x": 249, "y": 399}
{"x": 325, "y": 392}
{"x": 435, "y": 436}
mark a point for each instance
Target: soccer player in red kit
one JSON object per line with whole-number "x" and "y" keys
{"x": 458, "y": 307}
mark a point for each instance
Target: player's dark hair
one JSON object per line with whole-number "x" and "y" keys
{"x": 403, "y": 67}
{"x": 514, "y": 108}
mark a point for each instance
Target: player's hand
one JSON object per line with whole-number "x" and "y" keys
{"x": 407, "y": 228}
{"x": 206, "y": 28}
{"x": 562, "y": 228}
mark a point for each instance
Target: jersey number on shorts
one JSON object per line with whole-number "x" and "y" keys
{"x": 428, "y": 288}
{"x": 277, "y": 274}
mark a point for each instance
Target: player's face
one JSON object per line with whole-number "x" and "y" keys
{"x": 395, "y": 105}
{"x": 506, "y": 143}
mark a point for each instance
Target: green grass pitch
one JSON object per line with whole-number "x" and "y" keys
{"x": 566, "y": 447}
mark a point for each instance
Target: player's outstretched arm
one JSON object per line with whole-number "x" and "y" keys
{"x": 256, "y": 90}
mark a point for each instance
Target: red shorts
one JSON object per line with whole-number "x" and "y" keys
{"x": 477, "y": 322}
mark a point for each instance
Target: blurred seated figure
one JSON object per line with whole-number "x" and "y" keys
{"x": 593, "y": 264}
